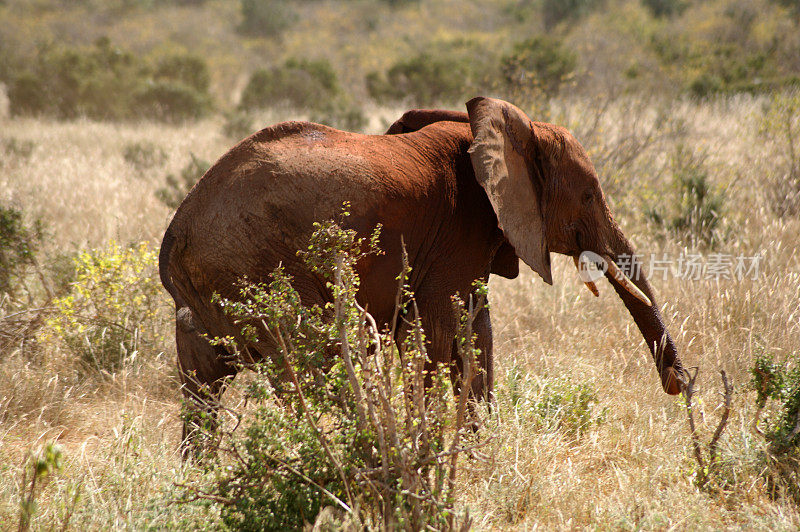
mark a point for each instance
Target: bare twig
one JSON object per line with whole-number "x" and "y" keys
{"x": 727, "y": 396}
{"x": 43, "y": 279}
{"x": 358, "y": 392}
{"x": 8, "y": 317}
{"x": 756, "y": 419}
{"x": 294, "y": 471}
{"x": 467, "y": 365}
{"x": 198, "y": 495}
{"x": 401, "y": 284}
{"x": 418, "y": 390}
{"x": 687, "y": 387}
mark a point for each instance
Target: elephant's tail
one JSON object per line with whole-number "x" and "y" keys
{"x": 163, "y": 267}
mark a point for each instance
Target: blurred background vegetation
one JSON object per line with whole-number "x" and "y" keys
{"x": 175, "y": 60}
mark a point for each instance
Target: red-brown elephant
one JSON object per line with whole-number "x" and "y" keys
{"x": 469, "y": 194}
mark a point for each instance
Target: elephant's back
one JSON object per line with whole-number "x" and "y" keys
{"x": 283, "y": 178}
{"x": 256, "y": 206}
{"x": 276, "y": 183}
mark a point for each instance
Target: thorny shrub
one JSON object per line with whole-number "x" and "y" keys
{"x": 780, "y": 383}
{"x": 554, "y": 12}
{"x": 238, "y": 124}
{"x": 340, "y": 113}
{"x": 266, "y": 18}
{"x": 14, "y": 149}
{"x": 342, "y": 431}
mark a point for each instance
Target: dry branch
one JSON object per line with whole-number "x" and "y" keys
{"x": 688, "y": 390}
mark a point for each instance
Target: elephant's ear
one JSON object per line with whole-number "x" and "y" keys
{"x": 502, "y": 134}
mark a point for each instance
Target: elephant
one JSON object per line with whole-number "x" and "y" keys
{"x": 468, "y": 194}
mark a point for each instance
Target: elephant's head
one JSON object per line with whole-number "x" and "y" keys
{"x": 547, "y": 197}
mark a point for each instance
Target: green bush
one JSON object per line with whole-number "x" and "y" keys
{"x": 19, "y": 243}
{"x": 726, "y": 66}
{"x": 113, "y": 314}
{"x": 423, "y": 80}
{"x": 553, "y": 403}
{"x": 780, "y": 383}
{"x": 266, "y": 18}
{"x": 706, "y": 84}
{"x": 301, "y": 83}
{"x": 540, "y": 63}
{"x": 777, "y": 385}
{"x": 61, "y": 272}
{"x": 69, "y": 82}
{"x": 448, "y": 72}
{"x": 170, "y": 102}
{"x": 341, "y": 433}
{"x": 794, "y": 5}
{"x": 13, "y": 148}
{"x": 37, "y": 467}
{"x": 341, "y": 114}
{"x": 106, "y": 82}
{"x": 27, "y": 96}
{"x": 176, "y": 187}
{"x": 189, "y": 70}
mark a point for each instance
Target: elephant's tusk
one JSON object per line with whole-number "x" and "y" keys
{"x": 626, "y": 283}
{"x": 589, "y": 284}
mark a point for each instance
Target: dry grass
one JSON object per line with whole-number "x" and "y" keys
{"x": 632, "y": 470}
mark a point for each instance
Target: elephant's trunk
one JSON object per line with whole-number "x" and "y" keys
{"x": 647, "y": 318}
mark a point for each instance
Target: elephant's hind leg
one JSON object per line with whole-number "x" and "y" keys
{"x": 204, "y": 370}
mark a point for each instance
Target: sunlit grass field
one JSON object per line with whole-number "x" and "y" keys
{"x": 630, "y": 468}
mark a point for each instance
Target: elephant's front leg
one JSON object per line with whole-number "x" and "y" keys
{"x": 440, "y": 323}
{"x": 483, "y": 381}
